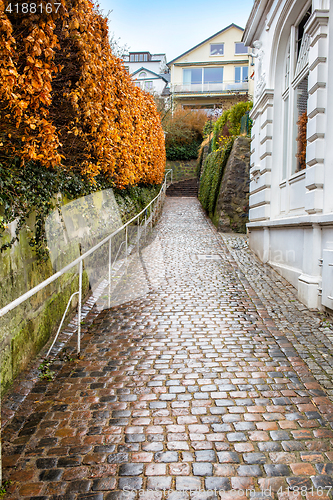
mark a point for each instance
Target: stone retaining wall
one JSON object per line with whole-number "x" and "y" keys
{"x": 231, "y": 212}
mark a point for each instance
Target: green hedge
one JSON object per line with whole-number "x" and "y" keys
{"x": 229, "y": 123}
{"x": 183, "y": 151}
{"x": 211, "y": 177}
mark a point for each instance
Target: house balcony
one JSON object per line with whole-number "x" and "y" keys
{"x": 189, "y": 89}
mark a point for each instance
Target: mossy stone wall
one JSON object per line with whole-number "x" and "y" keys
{"x": 224, "y": 185}
{"x": 182, "y": 170}
{"x": 26, "y": 329}
{"x": 232, "y": 207}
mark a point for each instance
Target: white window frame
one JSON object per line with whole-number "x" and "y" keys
{"x": 242, "y": 70}
{"x": 216, "y": 55}
{"x": 202, "y": 74}
{"x": 241, "y": 53}
{"x": 289, "y": 98}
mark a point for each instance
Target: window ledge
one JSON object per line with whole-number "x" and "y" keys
{"x": 297, "y": 176}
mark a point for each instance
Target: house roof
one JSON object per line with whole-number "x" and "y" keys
{"x": 232, "y": 25}
{"x": 151, "y": 72}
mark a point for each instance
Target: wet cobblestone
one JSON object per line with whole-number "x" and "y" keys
{"x": 309, "y": 333}
{"x": 217, "y": 385}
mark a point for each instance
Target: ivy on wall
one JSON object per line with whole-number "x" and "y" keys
{"x": 34, "y": 192}
{"x": 211, "y": 176}
{"x": 229, "y": 124}
{"x": 226, "y": 128}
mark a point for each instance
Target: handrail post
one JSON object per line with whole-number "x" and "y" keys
{"x": 126, "y": 246}
{"x": 79, "y": 309}
{"x": 138, "y": 234}
{"x": 152, "y": 208}
{"x": 110, "y": 271}
{"x": 145, "y": 224}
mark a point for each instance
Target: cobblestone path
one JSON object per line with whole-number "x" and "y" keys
{"x": 215, "y": 386}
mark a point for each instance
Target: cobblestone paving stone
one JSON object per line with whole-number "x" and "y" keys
{"x": 311, "y": 336}
{"x": 215, "y": 386}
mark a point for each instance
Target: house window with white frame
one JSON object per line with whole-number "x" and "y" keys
{"x": 241, "y": 74}
{"x": 217, "y": 49}
{"x": 208, "y": 75}
{"x": 240, "y": 48}
{"x": 137, "y": 57}
{"x": 295, "y": 98}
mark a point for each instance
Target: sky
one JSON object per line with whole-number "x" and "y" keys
{"x": 171, "y": 26}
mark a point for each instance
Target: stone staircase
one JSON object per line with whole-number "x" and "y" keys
{"x": 187, "y": 188}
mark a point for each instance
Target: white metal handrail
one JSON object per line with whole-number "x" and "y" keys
{"x": 228, "y": 86}
{"x": 79, "y": 261}
{"x": 61, "y": 323}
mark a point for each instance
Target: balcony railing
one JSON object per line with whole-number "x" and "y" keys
{"x": 203, "y": 88}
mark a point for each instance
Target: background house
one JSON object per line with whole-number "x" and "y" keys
{"x": 152, "y": 82}
{"x": 149, "y": 71}
{"x": 291, "y": 202}
{"x": 154, "y": 62}
{"x": 214, "y": 73}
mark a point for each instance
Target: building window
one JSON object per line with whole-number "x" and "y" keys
{"x": 295, "y": 99}
{"x": 203, "y": 75}
{"x": 240, "y": 48}
{"x": 148, "y": 85}
{"x": 300, "y": 30}
{"x": 143, "y": 74}
{"x": 192, "y": 75}
{"x": 241, "y": 74}
{"x": 217, "y": 49}
{"x": 213, "y": 75}
{"x": 139, "y": 57}
{"x": 302, "y": 44}
{"x": 301, "y": 123}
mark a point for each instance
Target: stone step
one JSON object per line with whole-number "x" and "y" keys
{"x": 184, "y": 188}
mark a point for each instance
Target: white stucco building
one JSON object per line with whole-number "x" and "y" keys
{"x": 151, "y": 82}
{"x": 291, "y": 191}
{"x": 149, "y": 71}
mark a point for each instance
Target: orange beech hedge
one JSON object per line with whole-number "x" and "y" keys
{"x": 66, "y": 100}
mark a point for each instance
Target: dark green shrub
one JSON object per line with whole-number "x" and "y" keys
{"x": 229, "y": 123}
{"x": 183, "y": 151}
{"x": 208, "y": 128}
{"x": 212, "y": 176}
